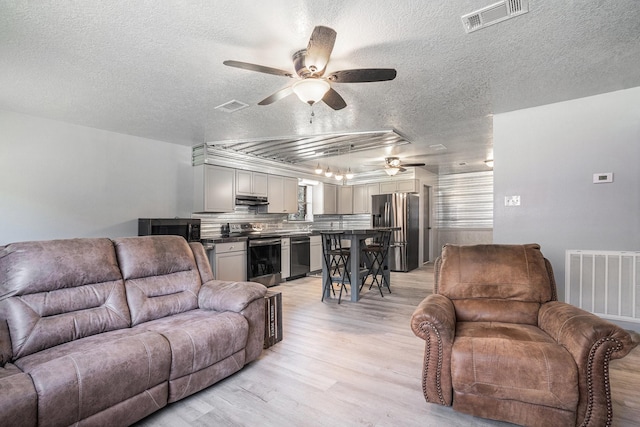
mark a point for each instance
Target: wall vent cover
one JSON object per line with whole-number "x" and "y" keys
{"x": 232, "y": 106}
{"x": 493, "y": 14}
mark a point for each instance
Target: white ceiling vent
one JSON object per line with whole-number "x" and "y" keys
{"x": 493, "y": 14}
{"x": 231, "y": 106}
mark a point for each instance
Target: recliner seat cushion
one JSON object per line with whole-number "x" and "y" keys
{"x": 84, "y": 377}
{"x": 199, "y": 339}
{"x": 507, "y": 361}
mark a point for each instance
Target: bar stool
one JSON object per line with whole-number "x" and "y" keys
{"x": 336, "y": 261}
{"x": 377, "y": 254}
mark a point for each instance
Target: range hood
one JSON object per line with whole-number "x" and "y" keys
{"x": 251, "y": 201}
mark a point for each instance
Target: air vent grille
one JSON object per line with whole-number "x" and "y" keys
{"x": 231, "y": 106}
{"x": 492, "y": 14}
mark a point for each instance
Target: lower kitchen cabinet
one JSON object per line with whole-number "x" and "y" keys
{"x": 230, "y": 261}
{"x": 285, "y": 258}
{"x": 315, "y": 253}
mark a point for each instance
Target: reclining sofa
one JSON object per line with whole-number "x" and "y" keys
{"x": 499, "y": 345}
{"x": 96, "y": 331}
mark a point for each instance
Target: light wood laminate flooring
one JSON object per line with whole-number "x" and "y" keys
{"x": 353, "y": 364}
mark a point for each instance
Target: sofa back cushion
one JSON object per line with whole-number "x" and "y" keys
{"x": 53, "y": 292}
{"x": 500, "y": 283}
{"x": 161, "y": 276}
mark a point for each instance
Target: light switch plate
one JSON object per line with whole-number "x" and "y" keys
{"x": 512, "y": 200}
{"x": 601, "y": 178}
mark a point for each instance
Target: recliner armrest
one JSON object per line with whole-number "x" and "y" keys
{"x": 434, "y": 320}
{"x": 221, "y": 295}
{"x": 593, "y": 342}
{"x": 6, "y": 353}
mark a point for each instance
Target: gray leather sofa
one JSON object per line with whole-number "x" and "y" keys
{"x": 105, "y": 332}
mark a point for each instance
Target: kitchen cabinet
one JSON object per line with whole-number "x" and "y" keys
{"x": 315, "y": 253}
{"x": 285, "y": 258}
{"x": 325, "y": 200}
{"x": 400, "y": 186}
{"x": 230, "y": 261}
{"x": 250, "y": 183}
{"x": 282, "y": 194}
{"x": 362, "y": 197}
{"x": 214, "y": 188}
{"x": 345, "y": 199}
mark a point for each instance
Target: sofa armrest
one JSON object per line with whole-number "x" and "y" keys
{"x": 434, "y": 320}
{"x": 18, "y": 398}
{"x": 592, "y": 342}
{"x": 6, "y": 353}
{"x": 222, "y": 295}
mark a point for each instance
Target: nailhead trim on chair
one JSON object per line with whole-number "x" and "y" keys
{"x": 427, "y": 327}
{"x": 607, "y": 385}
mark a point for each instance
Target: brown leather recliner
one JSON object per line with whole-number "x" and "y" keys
{"x": 499, "y": 345}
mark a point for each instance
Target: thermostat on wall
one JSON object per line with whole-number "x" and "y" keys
{"x": 599, "y": 178}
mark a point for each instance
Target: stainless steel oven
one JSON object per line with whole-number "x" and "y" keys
{"x": 263, "y": 260}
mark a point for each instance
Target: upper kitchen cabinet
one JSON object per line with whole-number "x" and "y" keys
{"x": 400, "y": 186}
{"x": 250, "y": 183}
{"x": 345, "y": 199}
{"x": 362, "y": 197}
{"x": 213, "y": 188}
{"x": 282, "y": 194}
{"x": 325, "y": 200}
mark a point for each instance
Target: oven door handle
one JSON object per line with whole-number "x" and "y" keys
{"x": 265, "y": 242}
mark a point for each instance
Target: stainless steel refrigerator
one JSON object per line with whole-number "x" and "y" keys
{"x": 399, "y": 210}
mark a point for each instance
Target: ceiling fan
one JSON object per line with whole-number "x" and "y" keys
{"x": 393, "y": 165}
{"x": 311, "y": 85}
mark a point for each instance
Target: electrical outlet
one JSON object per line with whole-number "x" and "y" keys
{"x": 512, "y": 201}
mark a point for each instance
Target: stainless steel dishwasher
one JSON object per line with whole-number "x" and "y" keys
{"x": 299, "y": 256}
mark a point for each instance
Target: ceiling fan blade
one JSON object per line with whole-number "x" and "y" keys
{"x": 412, "y": 164}
{"x": 363, "y": 75}
{"x": 334, "y": 100}
{"x": 258, "y": 68}
{"x": 319, "y": 49}
{"x": 282, "y": 93}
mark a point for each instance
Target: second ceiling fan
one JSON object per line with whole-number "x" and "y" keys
{"x": 310, "y": 65}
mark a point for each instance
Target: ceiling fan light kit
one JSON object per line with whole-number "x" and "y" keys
{"x": 311, "y": 90}
{"x": 392, "y": 171}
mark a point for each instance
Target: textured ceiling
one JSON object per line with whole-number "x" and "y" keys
{"x": 154, "y": 69}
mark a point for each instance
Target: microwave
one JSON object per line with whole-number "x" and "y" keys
{"x": 189, "y": 228}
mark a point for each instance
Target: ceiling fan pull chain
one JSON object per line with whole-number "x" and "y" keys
{"x": 312, "y": 115}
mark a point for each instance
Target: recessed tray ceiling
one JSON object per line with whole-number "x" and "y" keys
{"x": 297, "y": 149}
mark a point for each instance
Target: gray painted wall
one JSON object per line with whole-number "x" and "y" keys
{"x": 547, "y": 155}
{"x": 59, "y": 180}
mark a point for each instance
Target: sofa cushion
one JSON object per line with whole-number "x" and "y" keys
{"x": 513, "y": 362}
{"x": 84, "y": 377}
{"x": 500, "y": 283}
{"x": 56, "y": 291}
{"x": 161, "y": 276}
{"x": 199, "y": 339}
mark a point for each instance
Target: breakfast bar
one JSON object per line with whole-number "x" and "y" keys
{"x": 356, "y": 238}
